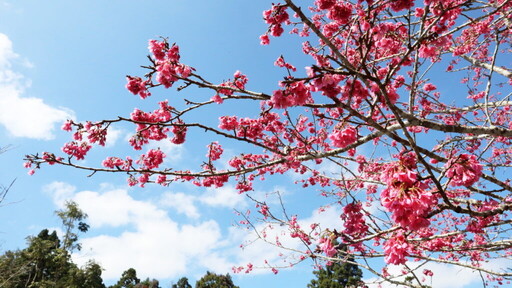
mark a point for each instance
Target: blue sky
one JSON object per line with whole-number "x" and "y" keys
{"x": 68, "y": 59}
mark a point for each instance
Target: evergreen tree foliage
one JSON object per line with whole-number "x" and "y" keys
{"x": 72, "y": 217}
{"x": 148, "y": 284}
{"x": 128, "y": 279}
{"x": 46, "y": 262}
{"x": 339, "y": 274}
{"x": 182, "y": 283}
{"x": 212, "y": 280}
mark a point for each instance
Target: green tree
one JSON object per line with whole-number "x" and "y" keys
{"x": 91, "y": 275}
{"x": 212, "y": 280}
{"x": 72, "y": 217}
{"x": 148, "y": 284}
{"x": 46, "y": 262}
{"x": 128, "y": 279}
{"x": 338, "y": 274}
{"x": 182, "y": 283}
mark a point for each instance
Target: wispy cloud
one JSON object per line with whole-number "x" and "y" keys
{"x": 22, "y": 116}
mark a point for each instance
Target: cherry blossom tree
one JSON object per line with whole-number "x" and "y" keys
{"x": 409, "y": 99}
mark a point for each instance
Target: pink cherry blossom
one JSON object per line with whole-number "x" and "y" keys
{"x": 463, "y": 170}
{"x": 343, "y": 138}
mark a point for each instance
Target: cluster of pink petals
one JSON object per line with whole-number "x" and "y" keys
{"x": 353, "y": 220}
{"x": 76, "y": 150}
{"x": 294, "y": 94}
{"x": 343, "y": 138}
{"x": 50, "y": 158}
{"x": 326, "y": 245}
{"x": 275, "y": 17}
{"x": 252, "y": 128}
{"x": 96, "y": 134}
{"x": 398, "y": 5}
{"x": 152, "y": 159}
{"x": 180, "y": 133}
{"x": 396, "y": 249}
{"x": 214, "y": 151}
{"x": 340, "y": 12}
{"x": 137, "y": 86}
{"x": 167, "y": 65}
{"x": 169, "y": 72}
{"x": 409, "y": 204}
{"x": 406, "y": 197}
{"x": 229, "y": 123}
{"x": 463, "y": 170}
{"x": 281, "y": 63}
{"x": 67, "y": 126}
{"x": 297, "y": 232}
{"x": 327, "y": 84}
{"x": 115, "y": 162}
{"x": 147, "y": 128}
{"x": 213, "y": 181}
{"x": 325, "y": 4}
{"x": 239, "y": 81}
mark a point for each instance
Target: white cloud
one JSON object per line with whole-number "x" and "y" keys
{"x": 226, "y": 196}
{"x": 113, "y": 135}
{"x": 24, "y": 116}
{"x": 148, "y": 239}
{"x": 60, "y": 192}
{"x": 183, "y": 203}
{"x": 152, "y": 243}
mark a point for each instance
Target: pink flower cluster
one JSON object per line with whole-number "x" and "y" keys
{"x": 115, "y": 162}
{"x": 327, "y": 246}
{"x": 478, "y": 224}
{"x": 215, "y": 181}
{"x": 294, "y": 94}
{"x": 214, "y": 151}
{"x": 137, "y": 86}
{"x": 228, "y": 122}
{"x": 398, "y": 5}
{"x": 147, "y": 128}
{"x": 67, "y": 126}
{"x": 152, "y": 159}
{"x": 252, "y": 128}
{"x": 405, "y": 196}
{"x": 396, "y": 249}
{"x": 167, "y": 65}
{"x": 463, "y": 170}
{"x": 170, "y": 72}
{"x": 297, "y": 232}
{"x": 76, "y": 150}
{"x": 238, "y": 83}
{"x": 275, "y": 17}
{"x": 343, "y": 138}
{"x": 96, "y": 133}
{"x": 353, "y": 220}
{"x": 325, "y": 4}
{"x": 281, "y": 63}
{"x": 180, "y": 132}
{"x": 340, "y": 12}
{"x": 327, "y": 83}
